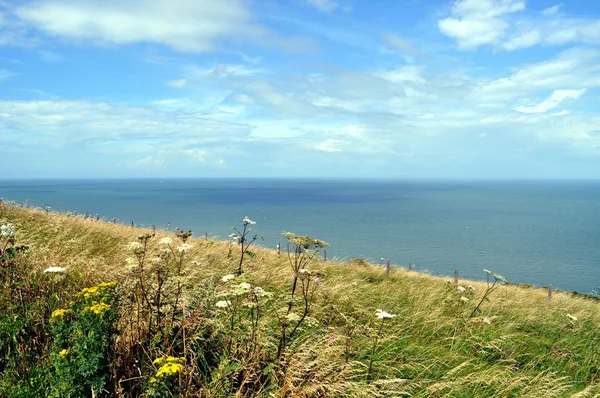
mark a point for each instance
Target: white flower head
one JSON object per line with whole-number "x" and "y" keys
{"x": 223, "y": 304}
{"x": 464, "y": 299}
{"x": 460, "y": 289}
{"x": 248, "y": 221}
{"x": 487, "y": 271}
{"x": 292, "y": 317}
{"x": 487, "y": 321}
{"x": 234, "y": 238}
{"x": 167, "y": 240}
{"x": 381, "y": 314}
{"x": 156, "y": 260}
{"x": 572, "y": 317}
{"x": 471, "y": 288}
{"x": 245, "y": 286}
{"x": 135, "y": 246}
{"x": 7, "y": 230}
{"x": 227, "y": 277}
{"x": 55, "y": 270}
{"x": 184, "y": 247}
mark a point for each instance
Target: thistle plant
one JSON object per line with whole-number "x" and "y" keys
{"x": 243, "y": 239}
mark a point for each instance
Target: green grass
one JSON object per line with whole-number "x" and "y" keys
{"x": 430, "y": 349}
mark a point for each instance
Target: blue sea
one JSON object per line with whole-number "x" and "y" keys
{"x": 536, "y": 232}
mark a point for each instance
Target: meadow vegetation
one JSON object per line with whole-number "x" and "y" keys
{"x": 96, "y": 309}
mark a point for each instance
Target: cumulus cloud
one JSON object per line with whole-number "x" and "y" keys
{"x": 500, "y": 23}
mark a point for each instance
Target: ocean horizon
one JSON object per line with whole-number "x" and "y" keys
{"x": 536, "y": 232}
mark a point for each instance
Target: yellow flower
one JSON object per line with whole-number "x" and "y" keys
{"x": 64, "y": 352}
{"x": 168, "y": 369}
{"x": 59, "y": 313}
{"x": 168, "y": 359}
{"x": 104, "y": 285}
{"x": 89, "y": 292}
{"x": 99, "y": 308}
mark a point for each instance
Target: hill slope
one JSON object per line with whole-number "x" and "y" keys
{"x": 176, "y": 323}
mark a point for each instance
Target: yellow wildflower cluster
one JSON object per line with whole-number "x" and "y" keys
{"x": 98, "y": 308}
{"x": 96, "y": 291}
{"x": 168, "y": 366}
{"x": 64, "y": 352}
{"x": 60, "y": 313}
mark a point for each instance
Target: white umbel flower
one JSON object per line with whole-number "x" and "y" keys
{"x": 184, "y": 247}
{"x": 381, "y": 314}
{"x": 572, "y": 317}
{"x": 248, "y": 221}
{"x": 223, "y": 304}
{"x": 7, "y": 230}
{"x": 55, "y": 270}
{"x": 464, "y": 299}
{"x": 135, "y": 246}
{"x": 227, "y": 277}
{"x": 166, "y": 240}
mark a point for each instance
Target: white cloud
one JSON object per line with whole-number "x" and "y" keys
{"x": 323, "y": 5}
{"x": 475, "y": 23}
{"x": 400, "y": 45}
{"x": 330, "y": 145}
{"x": 552, "y": 10}
{"x": 183, "y": 25}
{"x": 552, "y": 102}
{"x": 5, "y": 74}
{"x": 524, "y": 40}
{"x": 478, "y": 22}
{"x": 179, "y": 83}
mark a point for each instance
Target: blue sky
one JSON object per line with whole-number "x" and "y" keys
{"x": 300, "y": 88}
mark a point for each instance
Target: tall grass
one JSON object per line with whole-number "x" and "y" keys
{"x": 186, "y": 324}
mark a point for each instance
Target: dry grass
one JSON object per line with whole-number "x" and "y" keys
{"x": 431, "y": 349}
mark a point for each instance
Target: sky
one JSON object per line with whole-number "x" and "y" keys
{"x": 410, "y": 89}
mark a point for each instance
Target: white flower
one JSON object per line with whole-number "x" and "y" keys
{"x": 381, "y": 314}
{"x": 292, "y": 317}
{"x": 228, "y": 277}
{"x": 166, "y": 240}
{"x": 571, "y": 317}
{"x": 460, "y": 289}
{"x": 248, "y": 221}
{"x": 486, "y": 320}
{"x": 55, "y": 270}
{"x": 304, "y": 271}
{"x": 135, "y": 246}
{"x": 471, "y": 288}
{"x": 234, "y": 238}
{"x": 464, "y": 299}
{"x": 156, "y": 260}
{"x": 184, "y": 247}
{"x": 7, "y": 230}
{"x": 487, "y": 271}
{"x": 223, "y": 304}
{"x": 245, "y": 286}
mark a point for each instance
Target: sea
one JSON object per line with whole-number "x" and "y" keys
{"x": 531, "y": 232}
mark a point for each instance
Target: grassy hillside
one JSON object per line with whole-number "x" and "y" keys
{"x": 177, "y": 323}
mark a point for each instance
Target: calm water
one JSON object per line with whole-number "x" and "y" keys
{"x": 530, "y": 232}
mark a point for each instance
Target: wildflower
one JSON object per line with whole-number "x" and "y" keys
{"x": 228, "y": 277}
{"x": 223, "y": 304}
{"x": 59, "y": 313}
{"x": 460, "y": 289}
{"x": 471, "y": 288}
{"x": 259, "y": 291}
{"x": 245, "y": 286}
{"x": 156, "y": 260}
{"x": 7, "y": 230}
{"x": 248, "y": 221}
{"x": 184, "y": 247}
{"x": 89, "y": 292}
{"x": 99, "y": 308}
{"x": 383, "y": 315}
{"x": 487, "y": 271}
{"x": 499, "y": 278}
{"x": 135, "y": 246}
{"x": 571, "y": 317}
{"x": 486, "y": 320}
{"x": 168, "y": 367}
{"x": 64, "y": 352}
{"x": 234, "y": 238}
{"x": 168, "y": 359}
{"x": 464, "y": 299}
{"x": 107, "y": 285}
{"x": 166, "y": 241}
{"x": 131, "y": 262}
{"x": 293, "y": 317}
{"x": 55, "y": 270}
